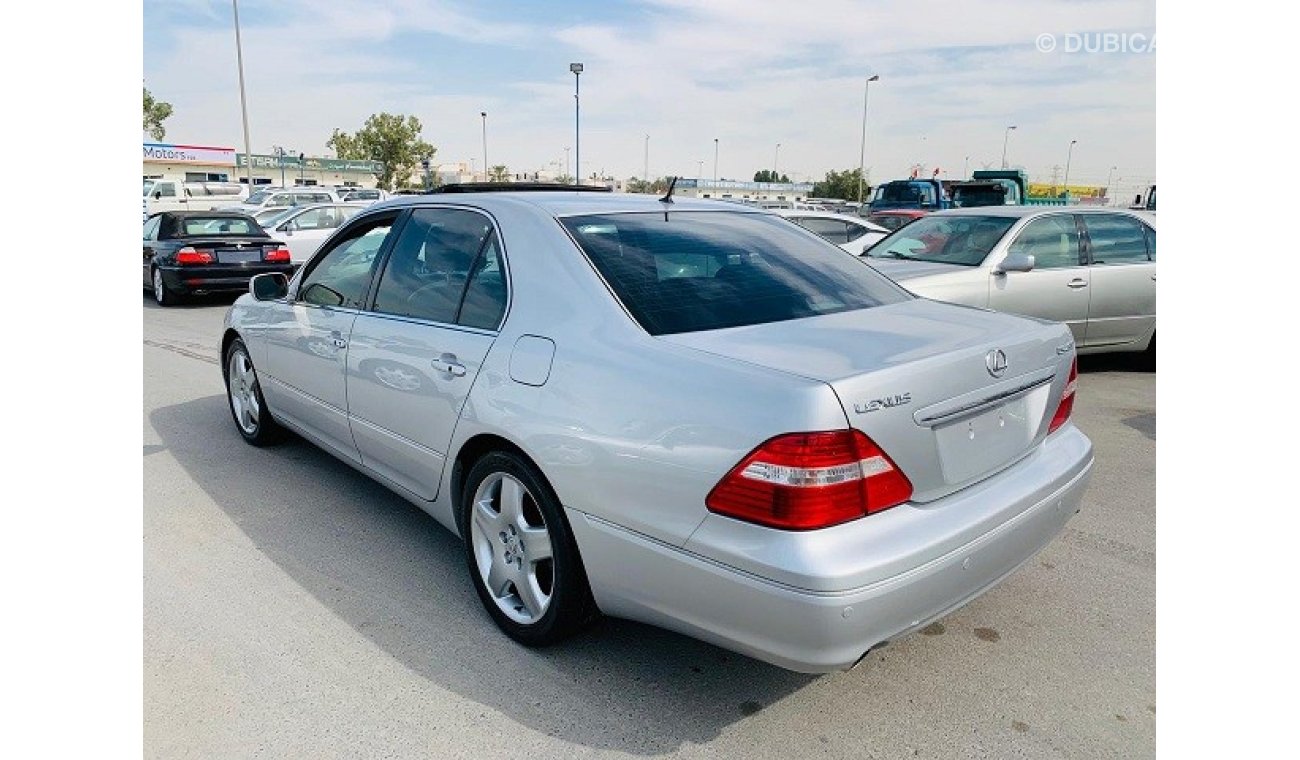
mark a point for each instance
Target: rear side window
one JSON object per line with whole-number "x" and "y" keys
{"x": 832, "y": 230}
{"x": 1115, "y": 239}
{"x": 692, "y": 270}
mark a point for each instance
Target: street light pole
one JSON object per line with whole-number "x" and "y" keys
{"x": 965, "y": 168}
{"x": 485, "y": 163}
{"x": 243, "y": 102}
{"x": 715, "y": 164}
{"x": 699, "y": 170}
{"x": 1005, "y": 136}
{"x": 646, "y": 176}
{"x": 576, "y": 68}
{"x": 1068, "y": 156}
{"x": 279, "y": 157}
{"x": 1110, "y": 174}
{"x": 776, "y": 161}
{"x": 862, "y": 149}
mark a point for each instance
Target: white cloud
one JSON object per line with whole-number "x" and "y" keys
{"x": 752, "y": 74}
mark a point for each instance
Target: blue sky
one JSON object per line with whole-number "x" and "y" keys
{"x": 751, "y": 74}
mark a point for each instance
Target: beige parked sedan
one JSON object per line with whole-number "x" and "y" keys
{"x": 1092, "y": 268}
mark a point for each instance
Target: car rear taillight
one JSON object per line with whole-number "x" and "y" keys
{"x": 188, "y": 255}
{"x": 1067, "y": 398}
{"x": 279, "y": 255}
{"x": 803, "y": 481}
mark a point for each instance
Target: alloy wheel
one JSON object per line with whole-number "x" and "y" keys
{"x": 512, "y": 548}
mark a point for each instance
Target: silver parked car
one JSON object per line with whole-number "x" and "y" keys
{"x": 1093, "y": 269}
{"x": 692, "y": 414}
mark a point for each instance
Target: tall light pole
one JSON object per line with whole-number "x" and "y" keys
{"x": 576, "y": 68}
{"x": 965, "y": 168}
{"x": 1005, "y": 136}
{"x": 699, "y": 170}
{"x": 776, "y": 161}
{"x": 243, "y": 102}
{"x": 646, "y": 176}
{"x": 862, "y": 149}
{"x": 1068, "y": 156}
{"x": 485, "y": 163}
{"x": 715, "y": 164}
{"x": 1109, "y": 174}
{"x": 279, "y": 156}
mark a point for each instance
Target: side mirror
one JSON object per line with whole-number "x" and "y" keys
{"x": 1015, "y": 262}
{"x": 1137, "y": 199}
{"x": 287, "y": 228}
{"x": 269, "y": 287}
{"x": 158, "y": 194}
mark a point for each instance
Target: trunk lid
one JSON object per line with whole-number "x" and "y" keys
{"x": 915, "y": 378}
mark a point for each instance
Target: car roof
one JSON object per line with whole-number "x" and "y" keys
{"x": 1023, "y": 211}
{"x": 560, "y": 203}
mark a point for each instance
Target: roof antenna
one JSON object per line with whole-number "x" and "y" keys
{"x": 668, "y": 197}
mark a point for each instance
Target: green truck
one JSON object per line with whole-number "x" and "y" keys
{"x": 997, "y": 187}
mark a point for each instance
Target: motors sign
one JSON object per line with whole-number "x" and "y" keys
{"x": 160, "y": 153}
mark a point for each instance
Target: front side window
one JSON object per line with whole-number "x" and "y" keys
{"x": 1115, "y": 239}
{"x": 165, "y": 189}
{"x": 1053, "y": 241}
{"x": 316, "y": 219}
{"x": 341, "y": 276}
{"x": 698, "y": 270}
{"x": 151, "y": 228}
{"x": 426, "y": 273}
{"x": 945, "y": 239}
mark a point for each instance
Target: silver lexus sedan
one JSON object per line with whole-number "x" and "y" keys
{"x": 1092, "y": 268}
{"x": 689, "y": 413}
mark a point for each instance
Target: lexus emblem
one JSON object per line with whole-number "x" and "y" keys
{"x": 996, "y": 361}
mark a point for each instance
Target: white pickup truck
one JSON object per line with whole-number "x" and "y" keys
{"x": 178, "y": 195}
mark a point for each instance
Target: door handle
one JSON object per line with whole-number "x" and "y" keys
{"x": 1078, "y": 282}
{"x": 449, "y": 364}
{"x": 336, "y": 338}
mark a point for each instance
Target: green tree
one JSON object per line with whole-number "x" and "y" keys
{"x": 392, "y": 139}
{"x": 155, "y": 113}
{"x": 499, "y": 173}
{"x": 842, "y": 185}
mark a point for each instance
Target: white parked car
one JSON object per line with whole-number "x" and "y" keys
{"x": 304, "y": 228}
{"x": 178, "y": 195}
{"x": 850, "y": 233}
{"x": 280, "y": 197}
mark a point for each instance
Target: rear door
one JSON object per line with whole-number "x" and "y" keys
{"x": 1057, "y": 288}
{"x": 1121, "y": 258}
{"x": 307, "y": 337}
{"x": 415, "y": 352}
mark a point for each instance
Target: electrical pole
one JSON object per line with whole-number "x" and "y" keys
{"x": 243, "y": 102}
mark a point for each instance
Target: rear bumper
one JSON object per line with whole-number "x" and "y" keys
{"x": 814, "y": 631}
{"x": 218, "y": 278}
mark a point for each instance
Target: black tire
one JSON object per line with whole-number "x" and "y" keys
{"x": 263, "y": 430}
{"x": 571, "y": 606}
{"x": 162, "y": 294}
{"x": 1147, "y": 359}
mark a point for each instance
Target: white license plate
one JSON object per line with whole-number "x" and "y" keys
{"x": 239, "y": 256}
{"x": 987, "y": 441}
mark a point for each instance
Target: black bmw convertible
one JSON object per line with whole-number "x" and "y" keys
{"x": 196, "y": 252}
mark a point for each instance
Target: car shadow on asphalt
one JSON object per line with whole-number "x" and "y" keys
{"x": 1118, "y": 362}
{"x": 395, "y": 575}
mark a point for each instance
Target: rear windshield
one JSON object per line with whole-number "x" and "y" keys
{"x": 203, "y": 226}
{"x": 701, "y": 270}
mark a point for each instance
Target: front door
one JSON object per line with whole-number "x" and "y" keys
{"x": 414, "y": 355}
{"x": 307, "y": 339}
{"x": 1057, "y": 288}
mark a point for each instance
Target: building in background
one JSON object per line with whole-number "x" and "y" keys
{"x": 198, "y": 163}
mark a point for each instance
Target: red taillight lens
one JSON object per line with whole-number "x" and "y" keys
{"x": 802, "y": 481}
{"x": 1067, "y": 398}
{"x": 279, "y": 255}
{"x": 189, "y": 255}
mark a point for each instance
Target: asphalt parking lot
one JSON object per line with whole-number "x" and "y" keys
{"x": 294, "y": 608}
